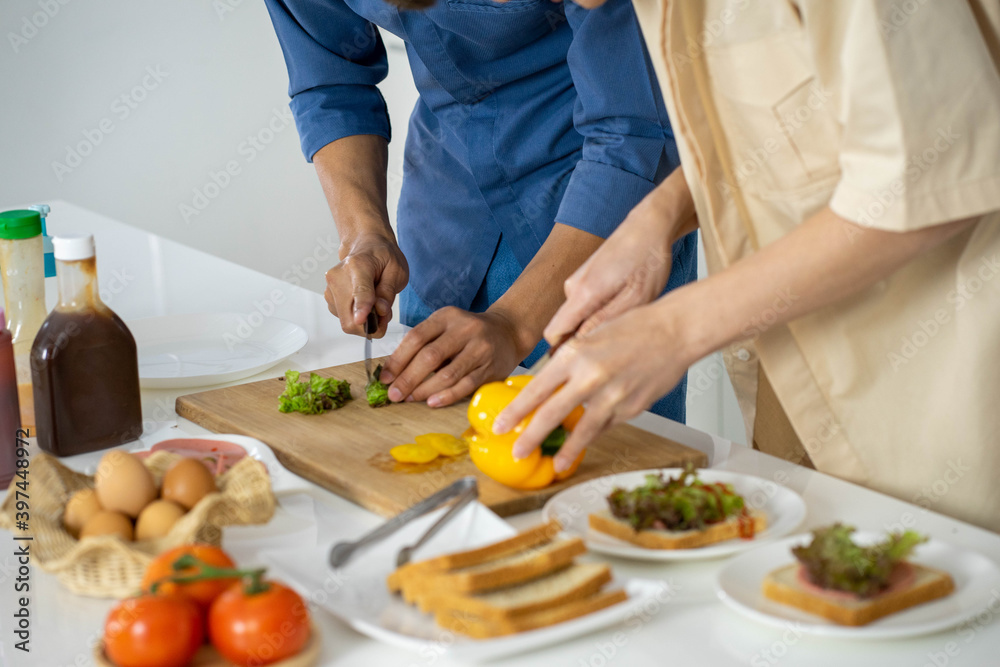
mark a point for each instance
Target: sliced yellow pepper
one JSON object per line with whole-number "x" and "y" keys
{"x": 443, "y": 443}
{"x": 413, "y": 453}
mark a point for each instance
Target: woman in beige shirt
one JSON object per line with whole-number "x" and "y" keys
{"x": 842, "y": 160}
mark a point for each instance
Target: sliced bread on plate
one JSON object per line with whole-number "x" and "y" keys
{"x": 785, "y": 585}
{"x": 729, "y": 529}
{"x": 480, "y": 628}
{"x": 566, "y": 585}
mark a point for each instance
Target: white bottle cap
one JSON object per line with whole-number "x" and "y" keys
{"x": 72, "y": 247}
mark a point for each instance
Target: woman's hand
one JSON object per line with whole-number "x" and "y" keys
{"x": 616, "y": 371}
{"x": 631, "y": 268}
{"x": 623, "y": 366}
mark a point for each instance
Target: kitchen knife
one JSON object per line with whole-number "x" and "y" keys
{"x": 371, "y": 326}
{"x": 547, "y": 357}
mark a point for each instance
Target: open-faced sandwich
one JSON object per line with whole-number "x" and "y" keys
{"x": 526, "y": 582}
{"x": 680, "y": 512}
{"x": 855, "y": 585}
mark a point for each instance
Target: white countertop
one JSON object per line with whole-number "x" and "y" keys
{"x": 143, "y": 276}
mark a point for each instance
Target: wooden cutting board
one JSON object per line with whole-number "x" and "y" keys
{"x": 347, "y": 451}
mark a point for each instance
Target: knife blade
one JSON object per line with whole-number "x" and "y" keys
{"x": 371, "y": 326}
{"x": 547, "y": 357}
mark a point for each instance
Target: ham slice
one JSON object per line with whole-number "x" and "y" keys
{"x": 217, "y": 455}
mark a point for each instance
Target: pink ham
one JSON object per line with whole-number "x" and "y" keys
{"x": 902, "y": 576}
{"x": 217, "y": 455}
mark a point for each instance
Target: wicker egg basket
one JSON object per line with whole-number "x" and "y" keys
{"x": 106, "y": 566}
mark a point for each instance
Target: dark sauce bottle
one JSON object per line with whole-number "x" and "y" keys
{"x": 84, "y": 365}
{"x": 10, "y": 413}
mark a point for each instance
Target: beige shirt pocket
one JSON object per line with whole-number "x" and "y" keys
{"x": 781, "y": 129}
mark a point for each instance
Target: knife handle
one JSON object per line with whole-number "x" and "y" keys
{"x": 371, "y": 324}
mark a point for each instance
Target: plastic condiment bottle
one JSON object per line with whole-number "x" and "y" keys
{"x": 49, "y": 256}
{"x": 21, "y": 264}
{"x": 10, "y": 419}
{"x": 84, "y": 363}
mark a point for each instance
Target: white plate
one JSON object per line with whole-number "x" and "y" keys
{"x": 281, "y": 477}
{"x": 210, "y": 348}
{"x": 357, "y": 593}
{"x": 739, "y": 587}
{"x": 784, "y": 508}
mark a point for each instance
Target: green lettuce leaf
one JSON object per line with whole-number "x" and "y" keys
{"x": 314, "y": 397}
{"x": 376, "y": 392}
{"x": 675, "y": 503}
{"x": 833, "y": 561}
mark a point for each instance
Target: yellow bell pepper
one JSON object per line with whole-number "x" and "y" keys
{"x": 493, "y": 454}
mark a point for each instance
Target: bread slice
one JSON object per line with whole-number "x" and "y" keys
{"x": 507, "y": 571}
{"x": 482, "y": 628}
{"x": 674, "y": 539}
{"x": 566, "y": 585}
{"x": 546, "y": 532}
{"x": 783, "y": 586}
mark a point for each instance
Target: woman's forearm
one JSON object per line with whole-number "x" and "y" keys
{"x": 823, "y": 261}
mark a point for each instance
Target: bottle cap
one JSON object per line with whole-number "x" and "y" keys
{"x": 72, "y": 247}
{"x": 16, "y": 225}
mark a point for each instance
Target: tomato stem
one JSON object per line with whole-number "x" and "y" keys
{"x": 253, "y": 580}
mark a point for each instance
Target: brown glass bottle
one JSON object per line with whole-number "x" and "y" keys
{"x": 10, "y": 418}
{"x": 84, "y": 365}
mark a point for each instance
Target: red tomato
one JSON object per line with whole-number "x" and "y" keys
{"x": 258, "y": 628}
{"x": 202, "y": 592}
{"x": 154, "y": 631}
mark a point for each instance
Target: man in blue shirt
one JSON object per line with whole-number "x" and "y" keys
{"x": 538, "y": 128}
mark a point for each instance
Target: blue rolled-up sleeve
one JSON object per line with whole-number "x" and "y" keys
{"x": 628, "y": 145}
{"x": 335, "y": 60}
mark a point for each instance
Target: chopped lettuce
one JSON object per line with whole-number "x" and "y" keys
{"x": 675, "y": 503}
{"x": 833, "y": 561}
{"x": 377, "y": 392}
{"x": 314, "y": 397}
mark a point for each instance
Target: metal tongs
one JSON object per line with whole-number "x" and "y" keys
{"x": 464, "y": 491}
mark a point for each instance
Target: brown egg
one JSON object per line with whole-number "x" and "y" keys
{"x": 81, "y": 506}
{"x": 157, "y": 519}
{"x": 187, "y": 482}
{"x": 108, "y": 522}
{"x": 123, "y": 483}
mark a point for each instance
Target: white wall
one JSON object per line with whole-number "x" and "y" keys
{"x": 220, "y": 86}
{"x": 154, "y": 98}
